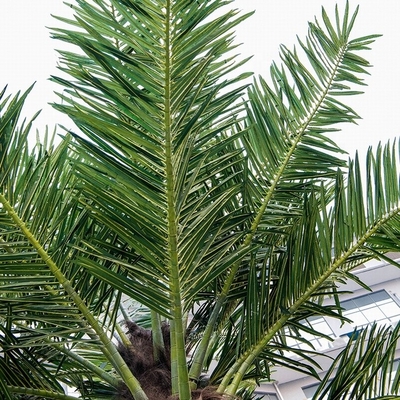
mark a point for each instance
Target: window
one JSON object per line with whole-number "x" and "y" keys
{"x": 363, "y": 310}
{"x": 319, "y": 343}
{"x": 373, "y": 307}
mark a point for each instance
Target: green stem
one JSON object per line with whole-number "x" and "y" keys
{"x": 124, "y": 313}
{"x": 201, "y": 351}
{"x": 90, "y": 366}
{"x": 40, "y": 393}
{"x": 156, "y": 332}
{"x": 124, "y": 339}
{"x": 111, "y": 351}
{"x": 241, "y": 366}
{"x": 178, "y": 332}
{"x": 174, "y": 361}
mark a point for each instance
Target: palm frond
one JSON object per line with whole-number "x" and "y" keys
{"x": 41, "y": 308}
{"x": 177, "y": 191}
{"x": 322, "y": 249}
{"x": 128, "y": 133}
{"x": 365, "y": 368}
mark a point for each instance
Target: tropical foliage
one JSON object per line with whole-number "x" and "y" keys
{"x": 222, "y": 208}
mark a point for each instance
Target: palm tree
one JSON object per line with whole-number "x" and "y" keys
{"x": 221, "y": 207}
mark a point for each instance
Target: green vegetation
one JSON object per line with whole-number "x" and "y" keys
{"x": 223, "y": 208}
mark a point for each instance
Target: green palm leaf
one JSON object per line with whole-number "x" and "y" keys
{"x": 322, "y": 249}
{"x": 150, "y": 101}
{"x": 176, "y": 191}
{"x": 40, "y": 308}
{"x": 197, "y": 115}
{"x": 364, "y": 369}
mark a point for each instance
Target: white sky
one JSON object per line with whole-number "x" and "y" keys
{"x": 28, "y": 55}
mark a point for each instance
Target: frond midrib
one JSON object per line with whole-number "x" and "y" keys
{"x": 298, "y": 136}
{"x": 180, "y": 381}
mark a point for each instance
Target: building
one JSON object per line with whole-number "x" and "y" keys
{"x": 382, "y": 305}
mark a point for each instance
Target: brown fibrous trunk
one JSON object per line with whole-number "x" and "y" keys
{"x": 153, "y": 375}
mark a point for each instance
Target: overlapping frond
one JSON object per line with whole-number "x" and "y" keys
{"x": 289, "y": 156}
{"x": 365, "y": 368}
{"x": 41, "y": 323}
{"x": 290, "y": 119}
{"x": 177, "y": 191}
{"x": 287, "y": 125}
{"x": 325, "y": 244}
{"x": 148, "y": 92}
